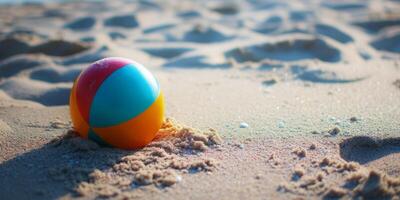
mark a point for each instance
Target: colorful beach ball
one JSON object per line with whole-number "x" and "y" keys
{"x": 117, "y": 102}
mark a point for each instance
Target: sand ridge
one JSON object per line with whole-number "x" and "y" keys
{"x": 159, "y": 163}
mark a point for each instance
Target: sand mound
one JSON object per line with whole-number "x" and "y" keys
{"x": 123, "y": 21}
{"x": 374, "y": 152}
{"x": 333, "y": 178}
{"x": 177, "y": 149}
{"x": 266, "y": 73}
{"x": 41, "y": 92}
{"x": 203, "y": 34}
{"x": 166, "y": 52}
{"x": 333, "y": 33}
{"x": 6, "y": 101}
{"x": 55, "y": 74}
{"x": 287, "y": 50}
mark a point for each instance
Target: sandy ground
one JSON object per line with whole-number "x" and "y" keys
{"x": 304, "y": 94}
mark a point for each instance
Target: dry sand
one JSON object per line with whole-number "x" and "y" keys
{"x": 280, "y": 100}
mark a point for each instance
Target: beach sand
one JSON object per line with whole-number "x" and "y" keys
{"x": 264, "y": 99}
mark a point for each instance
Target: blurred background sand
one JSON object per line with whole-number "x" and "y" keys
{"x": 272, "y": 77}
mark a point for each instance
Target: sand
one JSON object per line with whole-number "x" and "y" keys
{"x": 303, "y": 95}
{"x": 160, "y": 163}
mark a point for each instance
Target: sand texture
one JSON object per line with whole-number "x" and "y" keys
{"x": 264, "y": 99}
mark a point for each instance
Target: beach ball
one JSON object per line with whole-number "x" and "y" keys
{"x": 117, "y": 102}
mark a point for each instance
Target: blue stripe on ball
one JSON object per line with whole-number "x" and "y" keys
{"x": 126, "y": 93}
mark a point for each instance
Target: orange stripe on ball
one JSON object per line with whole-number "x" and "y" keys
{"x": 79, "y": 123}
{"x": 136, "y": 132}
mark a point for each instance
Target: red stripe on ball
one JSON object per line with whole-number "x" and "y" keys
{"x": 91, "y": 79}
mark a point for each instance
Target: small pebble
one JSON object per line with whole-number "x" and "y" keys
{"x": 281, "y": 124}
{"x": 298, "y": 173}
{"x": 334, "y": 131}
{"x": 244, "y": 125}
{"x": 397, "y": 83}
{"x": 269, "y": 82}
{"x": 300, "y": 152}
{"x": 353, "y": 119}
{"x": 258, "y": 177}
{"x": 178, "y": 178}
{"x": 240, "y": 146}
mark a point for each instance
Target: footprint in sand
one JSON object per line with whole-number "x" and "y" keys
{"x": 226, "y": 9}
{"x": 14, "y": 65}
{"x": 340, "y": 6}
{"x": 81, "y": 24}
{"x": 190, "y": 14}
{"x": 195, "y": 61}
{"x": 205, "y": 35}
{"x": 300, "y": 15}
{"x": 268, "y": 5}
{"x": 269, "y": 25}
{"x": 54, "y": 13}
{"x": 388, "y": 42}
{"x": 10, "y": 46}
{"x": 87, "y": 57}
{"x": 377, "y": 153}
{"x": 116, "y": 35}
{"x": 59, "y": 48}
{"x": 166, "y": 52}
{"x": 122, "y": 21}
{"x": 286, "y": 50}
{"x": 158, "y": 28}
{"x": 88, "y": 39}
{"x": 319, "y": 76}
{"x": 374, "y": 26}
{"x": 200, "y": 34}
